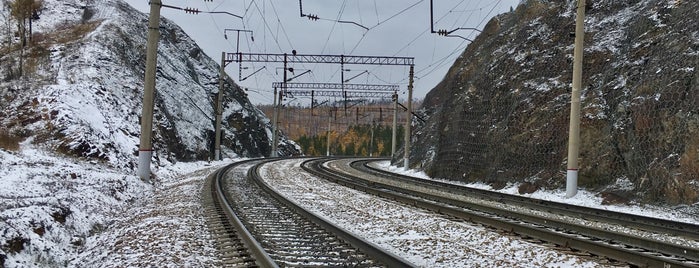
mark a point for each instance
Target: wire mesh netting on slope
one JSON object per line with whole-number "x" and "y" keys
{"x": 502, "y": 113}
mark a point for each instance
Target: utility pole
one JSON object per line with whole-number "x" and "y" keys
{"x": 275, "y": 117}
{"x": 371, "y": 142}
{"x": 574, "y": 133}
{"x": 409, "y": 119}
{"x": 145, "y": 150}
{"x": 330, "y": 117}
{"x": 237, "y": 47}
{"x": 219, "y": 108}
{"x": 342, "y": 80}
{"x": 394, "y": 137}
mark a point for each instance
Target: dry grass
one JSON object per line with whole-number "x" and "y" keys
{"x": 39, "y": 46}
{"x": 8, "y": 141}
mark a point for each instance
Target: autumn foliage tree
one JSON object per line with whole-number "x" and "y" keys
{"x": 24, "y": 12}
{"x": 355, "y": 141}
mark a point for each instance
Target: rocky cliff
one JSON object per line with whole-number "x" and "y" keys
{"x": 501, "y": 113}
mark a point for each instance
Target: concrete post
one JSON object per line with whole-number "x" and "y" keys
{"x": 145, "y": 150}
{"x": 574, "y": 133}
{"x": 219, "y": 108}
{"x": 409, "y": 119}
{"x": 394, "y": 136}
{"x": 275, "y": 126}
{"x": 327, "y": 150}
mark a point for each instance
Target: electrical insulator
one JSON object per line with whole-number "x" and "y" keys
{"x": 312, "y": 17}
{"x": 191, "y": 10}
{"x": 442, "y": 32}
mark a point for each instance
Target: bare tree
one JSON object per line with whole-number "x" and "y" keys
{"x": 6, "y": 23}
{"x": 24, "y": 12}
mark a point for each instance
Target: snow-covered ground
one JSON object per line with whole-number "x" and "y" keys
{"x": 583, "y": 198}
{"x": 422, "y": 237}
{"x": 76, "y": 214}
{"x": 57, "y": 212}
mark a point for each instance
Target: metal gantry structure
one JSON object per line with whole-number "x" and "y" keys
{"x": 286, "y": 59}
{"x": 367, "y": 91}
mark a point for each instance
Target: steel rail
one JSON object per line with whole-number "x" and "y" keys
{"x": 384, "y": 257}
{"x": 488, "y": 217}
{"x": 261, "y": 257}
{"x": 638, "y": 221}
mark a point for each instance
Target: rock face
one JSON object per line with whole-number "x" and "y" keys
{"x": 501, "y": 113}
{"x": 82, "y": 91}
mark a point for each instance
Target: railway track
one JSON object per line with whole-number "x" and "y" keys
{"x": 276, "y": 232}
{"x": 455, "y": 202}
{"x": 650, "y": 224}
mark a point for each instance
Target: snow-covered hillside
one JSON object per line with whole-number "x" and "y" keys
{"x": 85, "y": 88}
{"x": 70, "y": 125}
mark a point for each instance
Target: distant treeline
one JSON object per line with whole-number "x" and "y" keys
{"x": 355, "y": 141}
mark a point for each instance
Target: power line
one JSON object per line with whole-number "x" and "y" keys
{"x": 441, "y": 61}
{"x": 395, "y": 15}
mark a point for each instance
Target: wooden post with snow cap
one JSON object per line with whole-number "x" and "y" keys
{"x": 145, "y": 149}
{"x": 409, "y": 119}
{"x": 219, "y": 108}
{"x": 574, "y": 133}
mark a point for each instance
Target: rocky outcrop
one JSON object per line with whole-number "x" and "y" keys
{"x": 501, "y": 113}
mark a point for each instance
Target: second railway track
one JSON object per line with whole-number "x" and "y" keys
{"x": 627, "y": 248}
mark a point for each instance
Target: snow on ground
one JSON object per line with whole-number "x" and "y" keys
{"x": 64, "y": 212}
{"x": 59, "y": 211}
{"x": 167, "y": 229}
{"x": 583, "y": 198}
{"x": 422, "y": 237}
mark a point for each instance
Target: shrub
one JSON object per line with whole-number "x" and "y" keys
{"x": 8, "y": 141}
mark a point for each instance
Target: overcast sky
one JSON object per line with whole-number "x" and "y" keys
{"x": 396, "y": 28}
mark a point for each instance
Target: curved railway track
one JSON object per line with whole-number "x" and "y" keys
{"x": 276, "y": 232}
{"x": 650, "y": 224}
{"x": 457, "y": 202}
